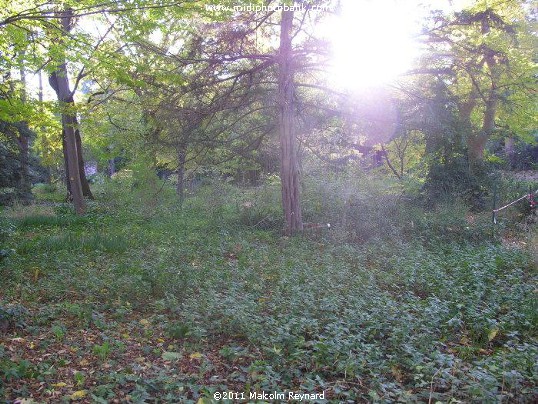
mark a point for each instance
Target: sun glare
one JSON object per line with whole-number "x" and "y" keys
{"x": 372, "y": 42}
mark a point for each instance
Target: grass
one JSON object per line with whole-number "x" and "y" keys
{"x": 174, "y": 304}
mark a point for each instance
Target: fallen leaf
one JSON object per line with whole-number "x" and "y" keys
{"x": 492, "y": 333}
{"x": 77, "y": 395}
{"x": 61, "y": 384}
{"x": 170, "y": 356}
{"x": 196, "y": 355}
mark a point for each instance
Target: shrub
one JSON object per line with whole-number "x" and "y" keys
{"x": 41, "y": 188}
{"x": 12, "y": 317}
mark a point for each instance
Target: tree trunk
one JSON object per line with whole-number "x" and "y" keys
{"x": 40, "y": 91}
{"x": 389, "y": 163}
{"x": 510, "y": 149}
{"x": 60, "y": 84}
{"x": 25, "y": 186}
{"x": 86, "y": 191}
{"x": 111, "y": 167}
{"x": 289, "y": 168}
{"x": 180, "y": 187}
{"x": 66, "y": 168}
{"x": 59, "y": 81}
{"x": 477, "y": 142}
{"x": 83, "y": 180}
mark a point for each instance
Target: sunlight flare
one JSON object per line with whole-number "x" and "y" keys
{"x": 372, "y": 42}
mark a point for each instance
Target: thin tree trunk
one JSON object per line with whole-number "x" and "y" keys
{"x": 509, "y": 149}
{"x": 289, "y": 168}
{"x": 86, "y": 191}
{"x": 66, "y": 168}
{"x": 111, "y": 167}
{"x": 40, "y": 92}
{"x": 25, "y": 186}
{"x": 180, "y": 187}
{"x": 389, "y": 163}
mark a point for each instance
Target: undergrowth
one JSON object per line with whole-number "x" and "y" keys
{"x": 393, "y": 303}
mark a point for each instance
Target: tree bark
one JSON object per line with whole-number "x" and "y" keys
{"x": 180, "y": 186}
{"x": 66, "y": 168}
{"x": 289, "y": 168}
{"x": 86, "y": 191}
{"x": 389, "y": 163}
{"x": 111, "y": 167}
{"x": 74, "y": 168}
{"x": 69, "y": 122}
{"x": 510, "y": 149}
{"x": 25, "y": 186}
{"x": 477, "y": 143}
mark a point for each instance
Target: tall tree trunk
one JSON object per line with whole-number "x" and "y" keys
{"x": 181, "y": 158}
{"x": 66, "y": 168}
{"x": 40, "y": 90}
{"x": 477, "y": 143}
{"x": 83, "y": 180}
{"x": 60, "y": 83}
{"x": 289, "y": 168}
{"x": 25, "y": 186}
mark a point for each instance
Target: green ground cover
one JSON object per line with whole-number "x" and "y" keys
{"x": 143, "y": 301}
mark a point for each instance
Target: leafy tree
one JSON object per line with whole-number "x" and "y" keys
{"x": 485, "y": 53}
{"x": 53, "y": 24}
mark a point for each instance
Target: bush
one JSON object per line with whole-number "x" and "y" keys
{"x": 41, "y": 188}
{"x": 12, "y": 317}
{"x": 260, "y": 207}
{"x": 454, "y": 179}
{"x": 362, "y": 207}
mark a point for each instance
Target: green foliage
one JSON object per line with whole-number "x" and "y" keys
{"x": 79, "y": 378}
{"x": 59, "y": 331}
{"x": 525, "y": 156}
{"x": 41, "y": 188}
{"x": 177, "y": 330}
{"x": 432, "y": 307}
{"x": 38, "y": 220}
{"x": 7, "y": 229}
{"x": 102, "y": 351}
{"x": 73, "y": 242}
{"x": 393, "y": 303}
{"x": 453, "y": 179}
{"x": 12, "y": 317}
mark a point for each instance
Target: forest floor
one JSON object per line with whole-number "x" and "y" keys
{"x": 137, "y": 302}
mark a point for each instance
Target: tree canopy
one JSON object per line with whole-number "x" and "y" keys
{"x": 191, "y": 84}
